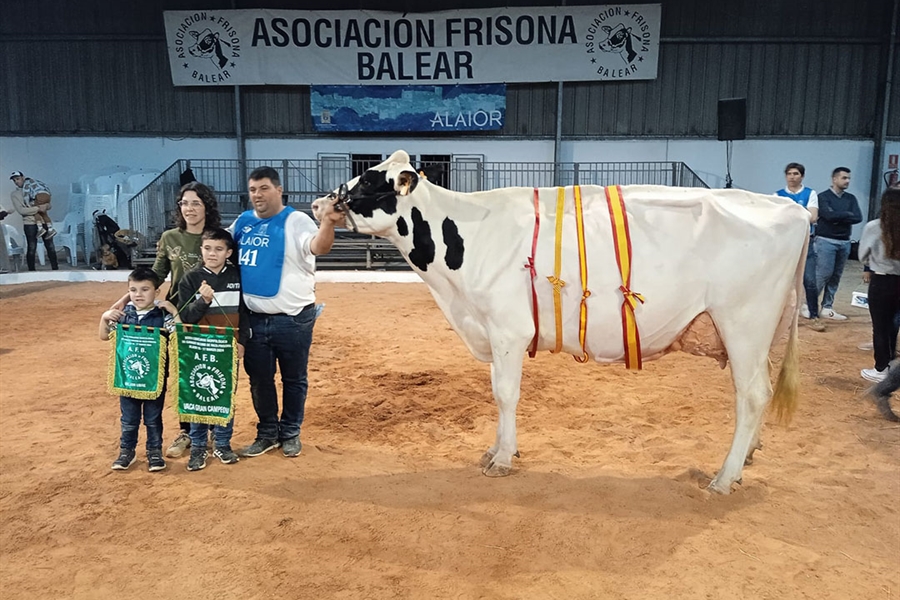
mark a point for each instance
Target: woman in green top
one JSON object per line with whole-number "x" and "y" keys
{"x": 178, "y": 250}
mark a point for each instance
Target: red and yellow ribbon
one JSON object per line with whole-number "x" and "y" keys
{"x": 622, "y": 242}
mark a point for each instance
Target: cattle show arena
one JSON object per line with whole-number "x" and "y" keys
{"x": 387, "y": 499}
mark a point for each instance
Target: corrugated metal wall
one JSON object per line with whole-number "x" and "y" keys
{"x": 807, "y": 68}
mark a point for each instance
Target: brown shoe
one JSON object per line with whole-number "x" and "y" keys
{"x": 817, "y": 325}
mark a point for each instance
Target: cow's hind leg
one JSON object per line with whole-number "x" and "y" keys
{"x": 753, "y": 389}
{"x": 506, "y": 379}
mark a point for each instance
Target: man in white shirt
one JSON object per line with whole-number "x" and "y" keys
{"x": 277, "y": 247}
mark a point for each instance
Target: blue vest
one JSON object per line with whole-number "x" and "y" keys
{"x": 260, "y": 244}
{"x": 801, "y": 198}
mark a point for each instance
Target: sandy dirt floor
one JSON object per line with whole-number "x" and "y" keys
{"x": 387, "y": 500}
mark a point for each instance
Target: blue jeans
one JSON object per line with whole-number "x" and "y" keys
{"x": 131, "y": 422}
{"x": 831, "y": 256}
{"x": 286, "y": 340}
{"x": 200, "y": 431}
{"x": 809, "y": 280}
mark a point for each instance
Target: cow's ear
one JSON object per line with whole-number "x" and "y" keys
{"x": 406, "y": 183}
{"x": 194, "y": 34}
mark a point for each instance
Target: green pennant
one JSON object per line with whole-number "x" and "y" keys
{"x": 205, "y": 360}
{"x": 137, "y": 362}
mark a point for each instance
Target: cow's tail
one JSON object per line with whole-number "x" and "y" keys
{"x": 787, "y": 388}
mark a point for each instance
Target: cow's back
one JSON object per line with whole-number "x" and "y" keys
{"x": 693, "y": 251}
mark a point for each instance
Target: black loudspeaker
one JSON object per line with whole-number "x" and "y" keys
{"x": 732, "y": 119}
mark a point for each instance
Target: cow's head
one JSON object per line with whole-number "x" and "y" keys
{"x": 208, "y": 45}
{"x": 618, "y": 39}
{"x": 369, "y": 202}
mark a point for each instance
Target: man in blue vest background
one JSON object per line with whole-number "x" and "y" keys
{"x": 277, "y": 246}
{"x": 807, "y": 198}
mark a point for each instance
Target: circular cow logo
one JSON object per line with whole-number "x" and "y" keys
{"x": 616, "y": 41}
{"x": 136, "y": 367}
{"x": 208, "y": 383}
{"x": 208, "y": 46}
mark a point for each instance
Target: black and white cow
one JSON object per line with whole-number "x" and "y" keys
{"x": 719, "y": 271}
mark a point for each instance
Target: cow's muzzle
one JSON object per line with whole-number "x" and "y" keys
{"x": 342, "y": 196}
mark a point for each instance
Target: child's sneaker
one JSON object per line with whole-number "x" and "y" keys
{"x": 226, "y": 455}
{"x": 155, "y": 460}
{"x": 125, "y": 460}
{"x": 198, "y": 459}
{"x": 49, "y": 233}
{"x": 181, "y": 443}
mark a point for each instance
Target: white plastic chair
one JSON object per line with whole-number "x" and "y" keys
{"x": 16, "y": 244}
{"x": 67, "y": 236}
{"x": 14, "y": 248}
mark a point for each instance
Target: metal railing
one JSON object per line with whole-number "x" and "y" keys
{"x": 304, "y": 180}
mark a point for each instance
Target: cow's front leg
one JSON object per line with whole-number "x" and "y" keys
{"x": 506, "y": 379}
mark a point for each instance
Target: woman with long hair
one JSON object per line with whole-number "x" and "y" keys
{"x": 178, "y": 250}
{"x": 879, "y": 248}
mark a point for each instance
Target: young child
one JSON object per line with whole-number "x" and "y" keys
{"x": 215, "y": 287}
{"x": 36, "y": 193}
{"x": 142, "y": 309}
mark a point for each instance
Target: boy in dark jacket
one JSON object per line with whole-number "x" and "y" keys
{"x": 142, "y": 309}
{"x": 215, "y": 290}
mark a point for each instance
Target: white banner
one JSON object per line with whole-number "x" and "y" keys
{"x": 496, "y": 45}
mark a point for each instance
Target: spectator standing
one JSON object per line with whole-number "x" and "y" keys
{"x": 808, "y": 199}
{"x": 879, "y": 249}
{"x": 28, "y": 212}
{"x": 838, "y": 212}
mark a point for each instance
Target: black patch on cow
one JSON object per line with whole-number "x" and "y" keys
{"x": 454, "y": 242}
{"x": 422, "y": 253}
{"x": 373, "y": 192}
{"x": 402, "y": 227}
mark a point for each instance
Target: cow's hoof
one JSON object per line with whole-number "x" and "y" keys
{"x": 486, "y": 459}
{"x": 495, "y": 470}
{"x": 716, "y": 487}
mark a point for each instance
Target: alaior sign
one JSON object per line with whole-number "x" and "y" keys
{"x": 495, "y": 45}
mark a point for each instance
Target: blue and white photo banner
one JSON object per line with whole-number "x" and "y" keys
{"x": 408, "y": 107}
{"x": 614, "y": 42}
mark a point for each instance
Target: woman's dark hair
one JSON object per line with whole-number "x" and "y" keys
{"x": 890, "y": 222}
{"x": 213, "y": 219}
